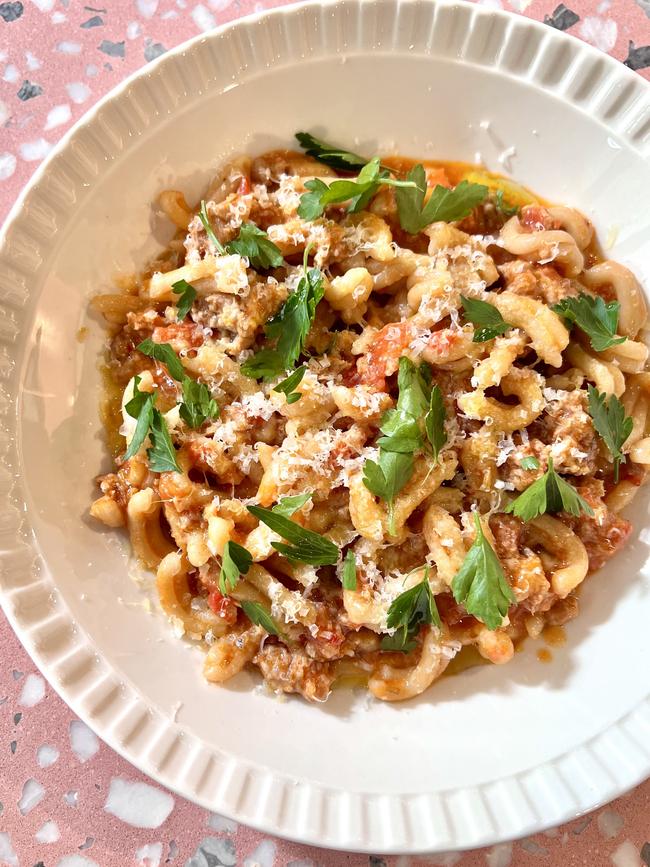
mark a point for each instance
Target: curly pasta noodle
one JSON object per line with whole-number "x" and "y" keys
{"x": 385, "y": 340}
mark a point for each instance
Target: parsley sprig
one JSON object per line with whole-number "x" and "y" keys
{"x": 443, "y": 204}
{"x": 151, "y": 423}
{"x": 235, "y": 561}
{"x": 209, "y": 231}
{"x": 358, "y": 193}
{"x": 288, "y": 385}
{"x": 336, "y": 158}
{"x": 412, "y": 609}
{"x": 598, "y": 320}
{"x": 289, "y": 327}
{"x": 287, "y": 506}
{"x": 549, "y": 493}
{"x": 419, "y": 412}
{"x": 486, "y": 316}
{"x": 503, "y": 208}
{"x": 610, "y": 421}
{"x": 349, "y": 572}
{"x": 187, "y": 294}
{"x": 305, "y": 545}
{"x": 480, "y": 584}
{"x": 258, "y": 615}
{"x": 197, "y": 405}
{"x": 256, "y": 246}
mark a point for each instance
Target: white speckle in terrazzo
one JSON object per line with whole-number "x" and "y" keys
{"x": 78, "y": 91}
{"x": 4, "y": 112}
{"x": 44, "y": 5}
{"x": 71, "y": 798}
{"x": 7, "y": 166}
{"x": 149, "y": 855}
{"x": 303, "y": 862}
{"x": 7, "y": 854}
{"x": 138, "y": 804}
{"x": 500, "y": 855}
{"x": 609, "y": 824}
{"x": 220, "y": 5}
{"x": 31, "y": 151}
{"x": 58, "y": 115}
{"x": 203, "y": 18}
{"x": 601, "y": 32}
{"x": 33, "y": 794}
{"x": 262, "y": 856}
{"x": 11, "y": 74}
{"x": 83, "y": 741}
{"x": 146, "y": 8}
{"x": 91, "y": 70}
{"x": 222, "y": 850}
{"x": 181, "y": 4}
{"x": 46, "y": 755}
{"x": 58, "y": 18}
{"x": 32, "y": 61}
{"x": 76, "y": 861}
{"x": 529, "y": 845}
{"x": 34, "y": 687}
{"x": 133, "y": 30}
{"x": 220, "y": 823}
{"x": 48, "y": 833}
{"x": 626, "y": 855}
{"x": 67, "y": 47}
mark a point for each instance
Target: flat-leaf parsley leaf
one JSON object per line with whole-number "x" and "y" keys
{"x": 443, "y": 204}
{"x": 611, "y": 423}
{"x": 550, "y": 493}
{"x": 598, "y": 320}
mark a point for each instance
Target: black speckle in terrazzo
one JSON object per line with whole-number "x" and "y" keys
{"x": 173, "y": 851}
{"x": 153, "y": 50}
{"x": 39, "y": 864}
{"x": 645, "y": 854}
{"x": 17, "y": 674}
{"x": 579, "y": 826}
{"x": 562, "y": 18}
{"x": 92, "y": 9}
{"x": 213, "y": 852}
{"x": 11, "y": 11}
{"x": 17, "y": 718}
{"x": 113, "y": 49}
{"x": 95, "y": 21}
{"x": 29, "y": 91}
{"x": 87, "y": 843}
{"x": 1, "y": 808}
{"x": 376, "y": 861}
{"x": 12, "y": 747}
{"x": 638, "y": 58}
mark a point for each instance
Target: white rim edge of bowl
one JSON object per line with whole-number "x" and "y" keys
{"x": 620, "y": 739}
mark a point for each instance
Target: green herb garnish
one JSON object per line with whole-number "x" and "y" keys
{"x": 550, "y": 493}
{"x": 209, "y": 231}
{"x": 257, "y": 247}
{"x": 598, "y": 320}
{"x": 349, "y": 576}
{"x": 235, "y": 561}
{"x": 338, "y": 159}
{"x": 306, "y": 546}
{"x": 187, "y": 294}
{"x": 163, "y": 352}
{"x": 162, "y": 454}
{"x": 290, "y": 327}
{"x": 434, "y": 422}
{"x": 151, "y": 423}
{"x": 610, "y": 421}
{"x": 288, "y": 505}
{"x": 529, "y": 463}
{"x": 407, "y": 613}
{"x": 480, "y": 584}
{"x": 503, "y": 208}
{"x": 443, "y": 205}
{"x": 485, "y": 315}
{"x": 258, "y": 615}
{"x": 288, "y": 385}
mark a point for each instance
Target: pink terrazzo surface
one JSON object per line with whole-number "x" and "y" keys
{"x": 66, "y": 799}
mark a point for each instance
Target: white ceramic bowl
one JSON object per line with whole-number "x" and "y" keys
{"x": 490, "y": 754}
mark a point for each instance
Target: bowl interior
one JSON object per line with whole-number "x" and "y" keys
{"x": 479, "y": 726}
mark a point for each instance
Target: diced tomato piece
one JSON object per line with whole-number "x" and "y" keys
{"x": 181, "y": 335}
{"x": 535, "y": 218}
{"x": 222, "y": 606}
{"x": 244, "y": 187}
{"x": 388, "y": 345}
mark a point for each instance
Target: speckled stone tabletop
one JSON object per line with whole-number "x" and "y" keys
{"x": 66, "y": 799}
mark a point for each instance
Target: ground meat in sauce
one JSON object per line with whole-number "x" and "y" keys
{"x": 291, "y": 670}
{"x": 523, "y": 568}
{"x": 566, "y": 427}
{"x": 537, "y": 281}
{"x": 238, "y": 318}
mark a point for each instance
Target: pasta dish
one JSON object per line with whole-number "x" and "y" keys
{"x": 367, "y": 412}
